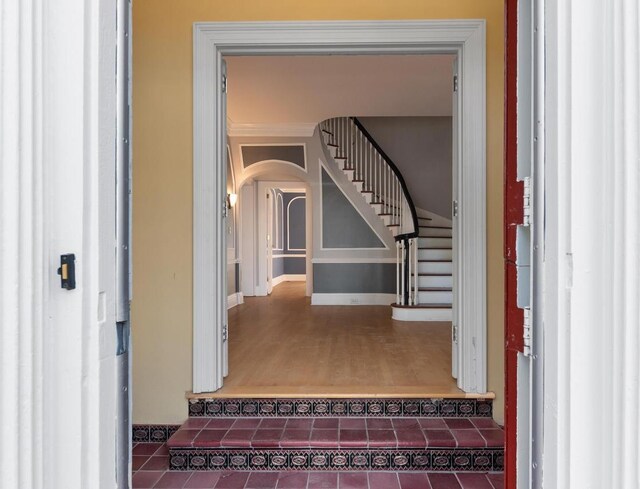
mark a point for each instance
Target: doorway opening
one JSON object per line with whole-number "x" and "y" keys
{"x": 466, "y": 43}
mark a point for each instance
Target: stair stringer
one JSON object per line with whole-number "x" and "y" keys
{"x": 357, "y": 200}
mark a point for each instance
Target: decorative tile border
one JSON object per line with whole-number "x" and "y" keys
{"x": 445, "y": 460}
{"x": 155, "y": 433}
{"x": 437, "y": 408}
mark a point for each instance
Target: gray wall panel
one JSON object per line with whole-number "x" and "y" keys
{"x": 342, "y": 226}
{"x": 278, "y": 267}
{"x": 356, "y": 278}
{"x": 295, "y": 266}
{"x": 421, "y": 149}
{"x": 255, "y": 154}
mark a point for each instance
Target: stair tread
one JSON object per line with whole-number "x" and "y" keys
{"x": 431, "y": 248}
{"x": 337, "y": 433}
{"x": 437, "y": 261}
{"x": 435, "y": 289}
{"x": 434, "y": 275}
{"x": 436, "y": 227}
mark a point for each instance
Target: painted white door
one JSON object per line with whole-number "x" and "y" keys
{"x": 455, "y": 316}
{"x": 225, "y": 164}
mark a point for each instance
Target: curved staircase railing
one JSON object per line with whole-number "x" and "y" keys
{"x": 382, "y": 184}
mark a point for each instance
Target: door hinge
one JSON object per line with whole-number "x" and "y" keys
{"x": 455, "y": 208}
{"x": 224, "y": 83}
{"x": 455, "y": 83}
{"x": 526, "y": 202}
{"x": 454, "y": 333}
{"x": 225, "y": 208}
{"x": 526, "y": 333}
{"x": 225, "y": 332}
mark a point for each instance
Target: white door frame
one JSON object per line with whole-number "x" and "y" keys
{"x": 213, "y": 40}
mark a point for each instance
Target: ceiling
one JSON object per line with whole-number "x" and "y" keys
{"x": 309, "y": 89}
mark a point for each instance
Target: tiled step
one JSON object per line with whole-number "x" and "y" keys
{"x": 330, "y": 443}
{"x": 340, "y": 407}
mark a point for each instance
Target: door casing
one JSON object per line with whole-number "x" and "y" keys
{"x": 213, "y": 40}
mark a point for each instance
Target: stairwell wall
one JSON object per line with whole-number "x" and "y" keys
{"x": 163, "y": 178}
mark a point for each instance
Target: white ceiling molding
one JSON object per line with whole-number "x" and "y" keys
{"x": 296, "y": 130}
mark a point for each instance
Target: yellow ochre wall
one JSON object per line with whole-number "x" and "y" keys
{"x": 162, "y": 167}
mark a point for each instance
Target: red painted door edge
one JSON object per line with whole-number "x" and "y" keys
{"x": 513, "y": 215}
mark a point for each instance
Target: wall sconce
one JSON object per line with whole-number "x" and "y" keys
{"x": 231, "y": 200}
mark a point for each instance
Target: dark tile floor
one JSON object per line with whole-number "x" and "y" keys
{"x": 338, "y": 433}
{"x": 151, "y": 462}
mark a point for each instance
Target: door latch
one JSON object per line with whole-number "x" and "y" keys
{"x": 67, "y": 271}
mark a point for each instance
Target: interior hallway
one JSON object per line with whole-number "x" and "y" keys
{"x": 281, "y": 345}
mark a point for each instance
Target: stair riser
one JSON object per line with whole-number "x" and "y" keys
{"x": 359, "y": 186}
{"x": 349, "y": 174}
{"x": 435, "y": 233}
{"x": 434, "y": 242}
{"x": 420, "y": 314}
{"x": 435, "y": 297}
{"x": 459, "y": 460}
{"x": 435, "y": 281}
{"x": 435, "y": 267}
{"x": 435, "y": 254}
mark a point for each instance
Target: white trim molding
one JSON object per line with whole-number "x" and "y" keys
{"x": 266, "y": 129}
{"x": 354, "y": 260}
{"x": 373, "y": 299}
{"x": 289, "y": 220}
{"x": 289, "y": 278}
{"x": 213, "y": 40}
{"x": 234, "y": 299}
{"x": 282, "y": 162}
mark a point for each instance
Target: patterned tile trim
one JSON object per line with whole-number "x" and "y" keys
{"x": 436, "y": 408}
{"x": 437, "y": 459}
{"x": 153, "y": 433}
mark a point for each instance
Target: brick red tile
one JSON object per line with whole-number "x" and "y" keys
{"x": 183, "y": 438}
{"x": 157, "y": 463}
{"x": 497, "y": 480}
{"x": 459, "y": 424}
{"x": 299, "y": 424}
{"x": 414, "y": 481}
{"x": 146, "y": 478}
{"x": 323, "y": 480}
{"x": 146, "y": 448}
{"x": 405, "y": 423}
{"x": 246, "y": 423}
{"x": 469, "y": 438}
{"x": 474, "y": 481}
{"x": 411, "y": 438}
{"x": 443, "y": 481}
{"x": 232, "y": 480}
{"x": 292, "y": 480}
{"x": 353, "y": 438}
{"x": 326, "y": 423}
{"x": 295, "y": 438}
{"x": 382, "y": 438}
{"x": 495, "y": 438}
{"x": 379, "y": 424}
{"x": 353, "y": 423}
{"x": 440, "y": 439}
{"x": 202, "y": 480}
{"x": 353, "y": 480}
{"x": 138, "y": 461}
{"x": 484, "y": 423}
{"x": 324, "y": 438}
{"x": 237, "y": 438}
{"x": 195, "y": 423}
{"x": 432, "y": 424}
{"x": 209, "y": 438}
{"x": 220, "y": 423}
{"x": 266, "y": 438}
{"x": 273, "y": 423}
{"x": 262, "y": 480}
{"x": 383, "y": 480}
{"x": 173, "y": 480}
{"x": 163, "y": 450}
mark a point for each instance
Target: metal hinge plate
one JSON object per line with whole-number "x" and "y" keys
{"x": 225, "y": 332}
{"x": 526, "y": 202}
{"x": 454, "y": 333}
{"x": 455, "y": 208}
{"x": 526, "y": 332}
{"x": 224, "y": 83}
{"x": 455, "y": 83}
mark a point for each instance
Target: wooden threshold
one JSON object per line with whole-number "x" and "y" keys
{"x": 339, "y": 392}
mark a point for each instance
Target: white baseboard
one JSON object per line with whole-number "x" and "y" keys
{"x": 288, "y": 278}
{"x": 420, "y": 314}
{"x": 235, "y": 299}
{"x": 352, "y": 299}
